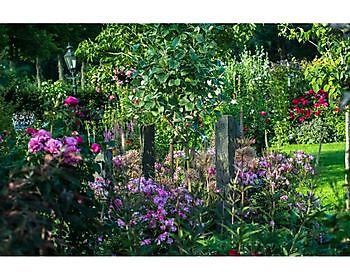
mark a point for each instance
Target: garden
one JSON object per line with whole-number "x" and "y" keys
{"x": 174, "y": 140}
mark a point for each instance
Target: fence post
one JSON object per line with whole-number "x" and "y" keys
{"x": 226, "y": 130}
{"x": 147, "y": 151}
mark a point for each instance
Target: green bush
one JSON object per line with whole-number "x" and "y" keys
{"x": 6, "y": 111}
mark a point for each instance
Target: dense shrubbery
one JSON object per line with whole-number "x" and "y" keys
{"x": 72, "y": 184}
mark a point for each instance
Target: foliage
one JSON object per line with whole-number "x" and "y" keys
{"x": 178, "y": 71}
{"x": 5, "y": 115}
{"x": 46, "y": 207}
{"x": 329, "y": 71}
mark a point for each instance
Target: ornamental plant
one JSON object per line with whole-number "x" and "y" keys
{"x": 308, "y": 106}
{"x": 143, "y": 217}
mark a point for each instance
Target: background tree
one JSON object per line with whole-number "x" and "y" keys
{"x": 330, "y": 75}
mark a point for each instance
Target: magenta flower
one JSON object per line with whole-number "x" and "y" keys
{"x": 71, "y": 101}
{"x": 35, "y": 145}
{"x": 79, "y": 140}
{"x": 263, "y": 113}
{"x": 53, "y": 146}
{"x": 95, "y": 148}
{"x": 31, "y": 131}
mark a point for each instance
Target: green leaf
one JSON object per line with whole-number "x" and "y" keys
{"x": 177, "y": 82}
{"x": 189, "y": 106}
{"x": 175, "y": 42}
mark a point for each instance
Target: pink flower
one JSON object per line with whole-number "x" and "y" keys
{"x": 211, "y": 171}
{"x": 35, "y": 145}
{"x": 98, "y": 89}
{"x": 263, "y": 113}
{"x": 71, "y": 101}
{"x": 111, "y": 98}
{"x": 129, "y": 73}
{"x": 75, "y": 133}
{"x": 95, "y": 148}
{"x": 53, "y": 146}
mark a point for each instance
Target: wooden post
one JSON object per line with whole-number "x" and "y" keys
{"x": 226, "y": 130}
{"x": 147, "y": 151}
{"x": 108, "y": 157}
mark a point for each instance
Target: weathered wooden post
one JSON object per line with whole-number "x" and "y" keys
{"x": 147, "y": 151}
{"x": 108, "y": 157}
{"x": 226, "y": 130}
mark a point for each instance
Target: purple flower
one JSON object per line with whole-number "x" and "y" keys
{"x": 145, "y": 242}
{"x": 70, "y": 141}
{"x": 108, "y": 136}
{"x": 118, "y": 161}
{"x": 120, "y": 223}
{"x": 284, "y": 197}
{"x": 117, "y": 203}
{"x": 162, "y": 237}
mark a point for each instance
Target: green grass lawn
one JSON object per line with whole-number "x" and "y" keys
{"x": 330, "y": 172}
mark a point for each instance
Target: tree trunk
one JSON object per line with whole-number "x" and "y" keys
{"x": 82, "y": 75}
{"x": 38, "y": 71}
{"x": 60, "y": 68}
{"x": 347, "y": 158}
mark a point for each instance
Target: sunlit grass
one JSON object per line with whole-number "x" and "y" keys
{"x": 330, "y": 172}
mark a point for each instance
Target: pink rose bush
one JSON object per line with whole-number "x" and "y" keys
{"x": 71, "y": 101}
{"x": 65, "y": 149}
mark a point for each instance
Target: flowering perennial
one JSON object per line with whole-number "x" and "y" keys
{"x": 159, "y": 212}
{"x": 308, "y": 105}
{"x": 66, "y": 149}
